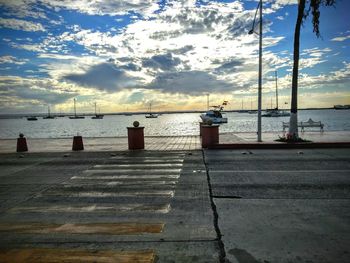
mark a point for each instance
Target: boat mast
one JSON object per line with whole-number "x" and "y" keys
{"x": 276, "y": 90}
{"x": 95, "y": 108}
{"x": 75, "y": 110}
{"x": 207, "y": 101}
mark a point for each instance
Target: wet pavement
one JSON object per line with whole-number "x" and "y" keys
{"x": 176, "y": 206}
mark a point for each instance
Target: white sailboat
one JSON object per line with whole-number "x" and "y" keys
{"x": 97, "y": 116}
{"x": 75, "y": 113}
{"x": 151, "y": 115}
{"x": 275, "y": 112}
{"x": 49, "y": 116}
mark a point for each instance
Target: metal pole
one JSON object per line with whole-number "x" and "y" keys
{"x": 208, "y": 101}
{"x": 260, "y": 74}
{"x": 276, "y": 90}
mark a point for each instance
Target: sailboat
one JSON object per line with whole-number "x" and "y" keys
{"x": 127, "y": 113}
{"x": 251, "y": 111}
{"x": 243, "y": 110}
{"x": 276, "y": 112}
{"x": 49, "y": 116}
{"x": 97, "y": 116}
{"x": 75, "y": 113}
{"x": 150, "y": 114}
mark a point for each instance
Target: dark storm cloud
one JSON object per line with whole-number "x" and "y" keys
{"x": 104, "y": 76}
{"x": 188, "y": 82}
{"x": 163, "y": 62}
{"x": 34, "y": 90}
{"x": 229, "y": 67}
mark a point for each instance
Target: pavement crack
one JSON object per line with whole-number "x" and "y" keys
{"x": 227, "y": 197}
{"x": 222, "y": 253}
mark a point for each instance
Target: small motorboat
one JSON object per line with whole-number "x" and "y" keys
{"x": 216, "y": 114}
{"x": 151, "y": 115}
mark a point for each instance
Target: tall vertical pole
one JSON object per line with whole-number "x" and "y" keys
{"x": 276, "y": 90}
{"x": 260, "y": 74}
{"x": 208, "y": 101}
{"x": 75, "y": 109}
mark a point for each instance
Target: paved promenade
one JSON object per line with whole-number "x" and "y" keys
{"x": 176, "y": 206}
{"x": 162, "y": 143}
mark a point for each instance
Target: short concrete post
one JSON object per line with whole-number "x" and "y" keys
{"x": 22, "y": 143}
{"x": 78, "y": 144}
{"x": 136, "y": 140}
{"x": 210, "y": 135}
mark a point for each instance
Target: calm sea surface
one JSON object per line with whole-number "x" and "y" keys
{"x": 164, "y": 125}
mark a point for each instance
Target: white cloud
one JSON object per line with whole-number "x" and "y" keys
{"x": 12, "y": 60}
{"x": 340, "y": 39}
{"x": 18, "y": 24}
{"x": 22, "y": 8}
{"x": 29, "y": 8}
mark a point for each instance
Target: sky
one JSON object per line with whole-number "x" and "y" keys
{"x": 124, "y": 55}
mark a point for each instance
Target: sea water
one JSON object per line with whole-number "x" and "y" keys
{"x": 165, "y": 125}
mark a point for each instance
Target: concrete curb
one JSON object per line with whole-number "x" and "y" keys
{"x": 312, "y": 145}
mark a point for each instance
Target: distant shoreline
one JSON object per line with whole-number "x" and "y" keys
{"x": 22, "y": 115}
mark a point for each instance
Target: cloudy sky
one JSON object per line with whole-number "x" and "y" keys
{"x": 125, "y": 54}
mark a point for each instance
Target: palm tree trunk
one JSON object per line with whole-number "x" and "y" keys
{"x": 293, "y": 122}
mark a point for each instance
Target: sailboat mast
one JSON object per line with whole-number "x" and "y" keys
{"x": 95, "y": 108}
{"x": 75, "y": 110}
{"x": 276, "y": 90}
{"x": 208, "y": 101}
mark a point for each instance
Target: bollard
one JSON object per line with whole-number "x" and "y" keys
{"x": 210, "y": 135}
{"x": 136, "y": 140}
{"x": 78, "y": 143}
{"x": 22, "y": 143}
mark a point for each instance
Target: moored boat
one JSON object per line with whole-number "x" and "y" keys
{"x": 49, "y": 116}
{"x": 276, "y": 112}
{"x": 216, "y": 114}
{"x": 341, "y": 107}
{"x": 97, "y": 116}
{"x": 151, "y": 115}
{"x": 75, "y": 113}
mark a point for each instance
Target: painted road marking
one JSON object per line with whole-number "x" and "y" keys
{"x": 134, "y": 171}
{"x": 113, "y": 194}
{"x": 131, "y": 177}
{"x": 141, "y": 166}
{"x": 47, "y": 255}
{"x": 93, "y": 228}
{"x": 163, "y": 209}
{"x": 124, "y": 183}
